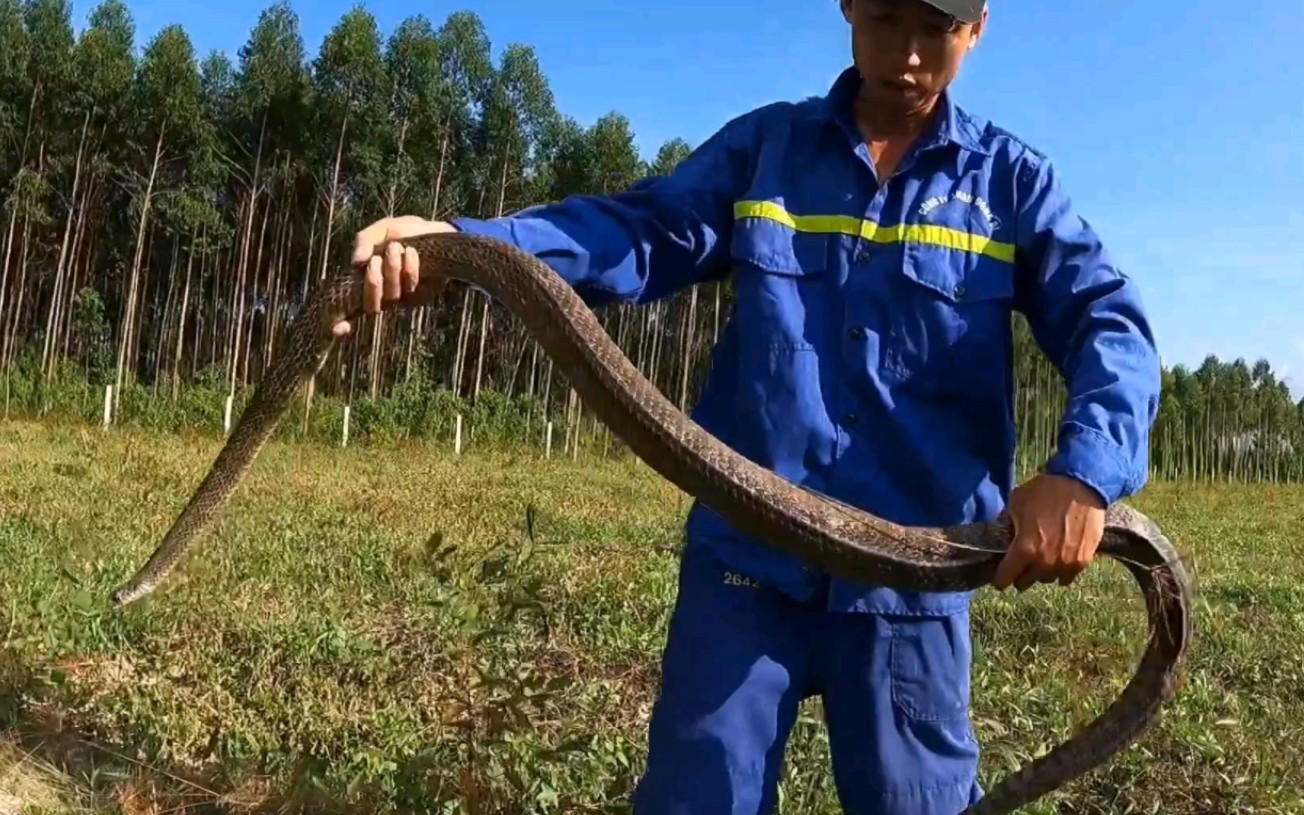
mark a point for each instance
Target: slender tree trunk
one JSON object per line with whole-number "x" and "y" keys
{"x": 22, "y": 165}
{"x": 279, "y": 280}
{"x": 50, "y": 344}
{"x": 165, "y": 325}
{"x": 248, "y": 298}
{"x": 334, "y": 190}
{"x": 129, "y": 311}
{"x": 78, "y": 270}
{"x": 180, "y": 342}
{"x": 686, "y": 354}
{"x": 9, "y": 244}
{"x": 15, "y": 321}
{"x": 484, "y": 310}
{"x": 419, "y": 314}
{"x": 375, "y": 362}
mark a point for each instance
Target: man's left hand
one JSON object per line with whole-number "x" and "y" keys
{"x": 1058, "y": 523}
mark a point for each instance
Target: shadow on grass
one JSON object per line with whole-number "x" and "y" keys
{"x": 106, "y": 776}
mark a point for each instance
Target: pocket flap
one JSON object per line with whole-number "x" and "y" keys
{"x": 959, "y": 275}
{"x": 770, "y": 243}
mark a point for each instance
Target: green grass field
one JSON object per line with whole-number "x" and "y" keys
{"x": 371, "y": 630}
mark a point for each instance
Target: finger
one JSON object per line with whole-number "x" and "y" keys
{"x": 1069, "y": 551}
{"x": 1077, "y": 561}
{"x": 342, "y": 328}
{"x": 1035, "y": 573}
{"x": 1014, "y": 564}
{"x": 393, "y": 269}
{"x": 371, "y": 292}
{"x": 1070, "y": 573}
{"x": 1055, "y": 559}
{"x": 411, "y": 269}
{"x": 364, "y": 245}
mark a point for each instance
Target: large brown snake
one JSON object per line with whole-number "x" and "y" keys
{"x": 842, "y": 539}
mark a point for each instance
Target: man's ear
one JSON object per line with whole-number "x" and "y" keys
{"x": 976, "y": 33}
{"x": 846, "y": 9}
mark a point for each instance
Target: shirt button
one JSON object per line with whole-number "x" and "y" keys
{"x": 857, "y": 333}
{"x": 851, "y": 418}
{"x": 959, "y": 292}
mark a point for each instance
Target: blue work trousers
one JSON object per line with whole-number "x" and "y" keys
{"x": 739, "y": 659}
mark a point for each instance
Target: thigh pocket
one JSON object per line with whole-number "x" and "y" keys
{"x": 931, "y": 659}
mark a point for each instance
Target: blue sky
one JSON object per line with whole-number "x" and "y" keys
{"x": 1177, "y": 126}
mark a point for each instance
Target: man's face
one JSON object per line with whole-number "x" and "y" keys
{"x": 907, "y": 51}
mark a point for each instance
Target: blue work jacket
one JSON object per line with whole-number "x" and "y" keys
{"x": 869, "y": 352}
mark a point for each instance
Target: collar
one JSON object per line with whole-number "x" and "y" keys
{"x": 951, "y": 126}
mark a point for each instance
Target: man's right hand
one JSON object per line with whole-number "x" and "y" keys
{"x": 393, "y": 274}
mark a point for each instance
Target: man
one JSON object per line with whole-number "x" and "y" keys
{"x": 878, "y": 239}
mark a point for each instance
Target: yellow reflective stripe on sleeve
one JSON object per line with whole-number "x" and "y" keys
{"x": 930, "y": 234}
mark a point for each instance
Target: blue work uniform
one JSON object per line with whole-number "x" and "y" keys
{"x": 869, "y": 357}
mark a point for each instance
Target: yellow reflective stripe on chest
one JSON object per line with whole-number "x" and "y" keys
{"x": 930, "y": 234}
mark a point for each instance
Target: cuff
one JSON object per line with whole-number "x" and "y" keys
{"x": 1089, "y": 456}
{"x": 490, "y": 228}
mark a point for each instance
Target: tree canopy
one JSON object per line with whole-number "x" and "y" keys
{"x": 165, "y": 212}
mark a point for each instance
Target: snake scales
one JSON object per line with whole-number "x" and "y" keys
{"x": 844, "y": 540}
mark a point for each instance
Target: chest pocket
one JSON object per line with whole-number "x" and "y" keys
{"x": 784, "y": 283}
{"x": 785, "y": 289}
{"x": 947, "y": 326}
